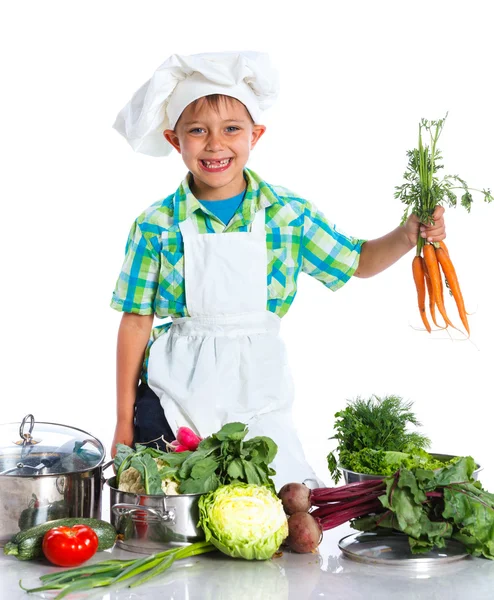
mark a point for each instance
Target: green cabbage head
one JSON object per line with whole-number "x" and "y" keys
{"x": 243, "y": 520}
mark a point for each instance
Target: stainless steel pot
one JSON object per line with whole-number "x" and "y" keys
{"x": 153, "y": 523}
{"x": 47, "y": 471}
{"x": 352, "y": 477}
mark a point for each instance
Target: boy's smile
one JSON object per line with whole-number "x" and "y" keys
{"x": 215, "y": 144}
{"x": 216, "y": 165}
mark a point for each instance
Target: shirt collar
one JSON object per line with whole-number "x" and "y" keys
{"x": 258, "y": 195}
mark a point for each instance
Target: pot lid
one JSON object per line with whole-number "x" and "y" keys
{"x": 36, "y": 448}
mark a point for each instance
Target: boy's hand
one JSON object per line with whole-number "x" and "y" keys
{"x": 124, "y": 434}
{"x": 431, "y": 233}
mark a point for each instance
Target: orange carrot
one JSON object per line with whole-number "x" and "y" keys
{"x": 435, "y": 275}
{"x": 450, "y": 274}
{"x": 430, "y": 291}
{"x": 444, "y": 247}
{"x": 419, "y": 278}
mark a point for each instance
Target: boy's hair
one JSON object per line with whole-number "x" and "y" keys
{"x": 214, "y": 101}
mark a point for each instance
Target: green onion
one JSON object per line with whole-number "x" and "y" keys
{"x": 110, "y": 572}
{"x": 168, "y": 561}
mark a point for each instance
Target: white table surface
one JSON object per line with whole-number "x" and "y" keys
{"x": 327, "y": 574}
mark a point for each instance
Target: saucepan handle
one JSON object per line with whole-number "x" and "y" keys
{"x": 126, "y": 510}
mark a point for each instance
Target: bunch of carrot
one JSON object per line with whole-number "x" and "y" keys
{"x": 427, "y": 274}
{"x": 422, "y": 191}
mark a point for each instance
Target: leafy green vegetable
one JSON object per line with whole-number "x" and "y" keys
{"x": 153, "y": 452}
{"x": 224, "y": 457}
{"x": 122, "y": 459}
{"x": 387, "y": 462}
{"x": 148, "y": 470}
{"x": 154, "y": 466}
{"x": 433, "y": 506}
{"x": 423, "y": 190}
{"x": 243, "y": 520}
{"x": 377, "y": 424}
{"x": 231, "y": 431}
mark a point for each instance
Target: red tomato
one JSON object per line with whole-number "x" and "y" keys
{"x": 70, "y": 546}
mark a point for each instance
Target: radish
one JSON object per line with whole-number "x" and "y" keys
{"x": 176, "y": 446}
{"x": 187, "y": 438}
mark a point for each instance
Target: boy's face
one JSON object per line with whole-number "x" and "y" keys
{"x": 215, "y": 143}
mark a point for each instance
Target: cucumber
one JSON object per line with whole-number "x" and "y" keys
{"x": 27, "y": 544}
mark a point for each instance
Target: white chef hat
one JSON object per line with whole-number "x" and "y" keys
{"x": 158, "y": 104}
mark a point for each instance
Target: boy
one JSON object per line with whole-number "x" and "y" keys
{"x": 221, "y": 257}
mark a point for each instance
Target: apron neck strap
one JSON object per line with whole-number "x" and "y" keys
{"x": 259, "y": 223}
{"x": 187, "y": 228}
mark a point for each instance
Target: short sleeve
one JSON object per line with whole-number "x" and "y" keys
{"x": 137, "y": 284}
{"x": 328, "y": 254}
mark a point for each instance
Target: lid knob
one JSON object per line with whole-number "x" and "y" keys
{"x": 26, "y": 437}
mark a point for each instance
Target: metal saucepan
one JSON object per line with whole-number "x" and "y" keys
{"x": 47, "y": 471}
{"x": 152, "y": 523}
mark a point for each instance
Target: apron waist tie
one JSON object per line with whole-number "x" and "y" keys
{"x": 227, "y": 325}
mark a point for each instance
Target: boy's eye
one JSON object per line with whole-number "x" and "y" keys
{"x": 199, "y": 130}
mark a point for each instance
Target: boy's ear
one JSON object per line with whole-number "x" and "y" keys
{"x": 257, "y": 132}
{"x": 172, "y": 137}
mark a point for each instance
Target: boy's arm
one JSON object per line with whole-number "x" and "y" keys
{"x": 379, "y": 254}
{"x": 133, "y": 336}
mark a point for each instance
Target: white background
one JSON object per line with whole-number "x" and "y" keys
{"x": 355, "y": 82}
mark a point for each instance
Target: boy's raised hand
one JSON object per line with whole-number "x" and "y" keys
{"x": 431, "y": 233}
{"x": 379, "y": 254}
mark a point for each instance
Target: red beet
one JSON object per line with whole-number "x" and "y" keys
{"x": 304, "y": 533}
{"x": 334, "y": 506}
{"x": 295, "y": 498}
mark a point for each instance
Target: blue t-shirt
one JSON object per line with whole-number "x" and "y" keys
{"x": 224, "y": 209}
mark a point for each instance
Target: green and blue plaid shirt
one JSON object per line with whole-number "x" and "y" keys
{"x": 298, "y": 238}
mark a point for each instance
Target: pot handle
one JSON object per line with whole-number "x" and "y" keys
{"x": 125, "y": 510}
{"x": 103, "y": 468}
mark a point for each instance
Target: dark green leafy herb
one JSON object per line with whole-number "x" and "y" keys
{"x": 376, "y": 423}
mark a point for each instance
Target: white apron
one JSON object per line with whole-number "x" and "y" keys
{"x": 226, "y": 361}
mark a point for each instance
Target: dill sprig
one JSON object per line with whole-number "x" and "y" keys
{"x": 377, "y": 423}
